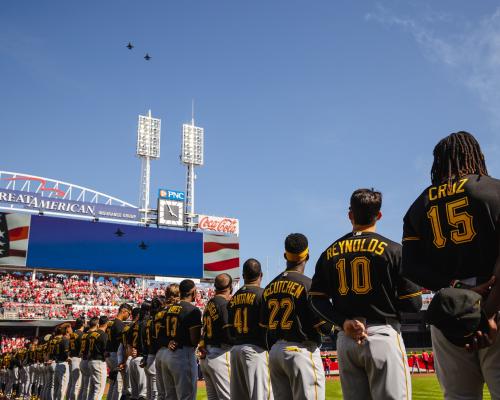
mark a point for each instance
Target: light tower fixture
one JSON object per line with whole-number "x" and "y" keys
{"x": 192, "y": 156}
{"x": 148, "y": 148}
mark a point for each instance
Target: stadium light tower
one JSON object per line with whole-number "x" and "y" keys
{"x": 192, "y": 156}
{"x": 148, "y": 148}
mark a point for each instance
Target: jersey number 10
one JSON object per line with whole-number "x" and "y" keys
{"x": 462, "y": 221}
{"x": 360, "y": 276}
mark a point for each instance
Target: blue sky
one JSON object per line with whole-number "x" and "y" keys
{"x": 302, "y": 102}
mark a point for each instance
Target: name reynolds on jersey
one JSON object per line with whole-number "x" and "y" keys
{"x": 284, "y": 287}
{"x": 242, "y": 298}
{"x": 356, "y": 245}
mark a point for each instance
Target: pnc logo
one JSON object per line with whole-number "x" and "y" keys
{"x": 171, "y": 195}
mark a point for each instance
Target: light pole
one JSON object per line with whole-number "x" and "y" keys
{"x": 148, "y": 148}
{"x": 192, "y": 156}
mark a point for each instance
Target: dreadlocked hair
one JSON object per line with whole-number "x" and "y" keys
{"x": 457, "y": 155}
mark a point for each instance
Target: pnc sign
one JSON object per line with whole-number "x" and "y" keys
{"x": 171, "y": 195}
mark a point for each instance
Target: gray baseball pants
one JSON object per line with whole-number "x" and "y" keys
{"x": 216, "y": 369}
{"x": 161, "y": 366}
{"x": 116, "y": 385}
{"x": 150, "y": 370}
{"x": 296, "y": 371}
{"x": 250, "y": 374}
{"x": 137, "y": 378}
{"x": 377, "y": 369}
{"x": 75, "y": 378}
{"x": 462, "y": 374}
{"x": 85, "y": 385}
{"x": 61, "y": 380}
{"x": 97, "y": 379}
{"x": 180, "y": 375}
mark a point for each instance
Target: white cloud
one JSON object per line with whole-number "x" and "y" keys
{"x": 472, "y": 54}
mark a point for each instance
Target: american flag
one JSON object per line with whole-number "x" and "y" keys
{"x": 14, "y": 232}
{"x": 221, "y": 254}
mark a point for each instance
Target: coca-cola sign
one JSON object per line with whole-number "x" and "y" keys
{"x": 219, "y": 224}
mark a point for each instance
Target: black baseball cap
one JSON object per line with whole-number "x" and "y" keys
{"x": 457, "y": 313}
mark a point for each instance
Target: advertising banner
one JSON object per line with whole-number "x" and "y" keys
{"x": 36, "y": 201}
{"x": 225, "y": 225}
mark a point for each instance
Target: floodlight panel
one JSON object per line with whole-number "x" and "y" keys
{"x": 148, "y": 137}
{"x": 192, "y": 144}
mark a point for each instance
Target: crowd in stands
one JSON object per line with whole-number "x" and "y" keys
{"x": 11, "y": 343}
{"x": 59, "y": 296}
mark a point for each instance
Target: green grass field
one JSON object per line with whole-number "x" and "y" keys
{"x": 425, "y": 387}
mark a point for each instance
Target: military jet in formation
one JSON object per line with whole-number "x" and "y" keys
{"x": 130, "y": 46}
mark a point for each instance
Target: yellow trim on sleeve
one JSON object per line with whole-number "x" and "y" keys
{"x": 408, "y": 296}
{"x": 410, "y": 238}
{"x": 319, "y": 324}
{"x": 318, "y": 294}
{"x": 196, "y": 326}
{"x": 262, "y": 325}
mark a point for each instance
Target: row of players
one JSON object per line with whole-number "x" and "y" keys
{"x": 261, "y": 343}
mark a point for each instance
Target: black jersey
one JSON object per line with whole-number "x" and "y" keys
{"x": 179, "y": 319}
{"x": 84, "y": 351}
{"x": 215, "y": 322}
{"x": 52, "y": 347}
{"x": 286, "y": 312}
{"x": 450, "y": 232}
{"x": 361, "y": 274}
{"x": 97, "y": 343}
{"x": 146, "y": 337}
{"x": 159, "y": 337}
{"x": 244, "y": 310}
{"x": 133, "y": 336}
{"x": 75, "y": 342}
{"x": 114, "y": 333}
{"x": 62, "y": 350}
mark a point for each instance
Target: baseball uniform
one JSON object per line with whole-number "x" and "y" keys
{"x": 250, "y": 374}
{"x": 97, "y": 344}
{"x": 216, "y": 366}
{"x": 361, "y": 274}
{"x": 294, "y": 358}
{"x": 180, "y": 372}
{"x": 75, "y": 376}
{"x": 451, "y": 233}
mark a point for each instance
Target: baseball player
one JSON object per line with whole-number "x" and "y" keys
{"x": 32, "y": 369}
{"x": 215, "y": 346}
{"x": 50, "y": 365}
{"x": 451, "y": 238}
{"x": 293, "y": 330}
{"x": 124, "y": 357}
{"x": 136, "y": 375}
{"x": 23, "y": 362}
{"x": 150, "y": 348}
{"x": 161, "y": 340}
{"x": 84, "y": 355}
{"x": 250, "y": 375}
{"x": 61, "y": 357}
{"x": 358, "y": 287}
{"x": 114, "y": 334}
{"x": 75, "y": 377}
{"x": 97, "y": 345}
{"x": 182, "y": 322}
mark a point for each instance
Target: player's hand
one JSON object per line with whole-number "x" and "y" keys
{"x": 143, "y": 362}
{"x": 201, "y": 352}
{"x": 121, "y": 367}
{"x": 485, "y": 288}
{"x": 481, "y": 339}
{"x": 172, "y": 345}
{"x": 356, "y": 330}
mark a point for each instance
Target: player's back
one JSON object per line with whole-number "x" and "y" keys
{"x": 360, "y": 273}
{"x": 244, "y": 310}
{"x": 286, "y": 312}
{"x": 179, "y": 319}
{"x": 214, "y": 321}
{"x": 455, "y": 226}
